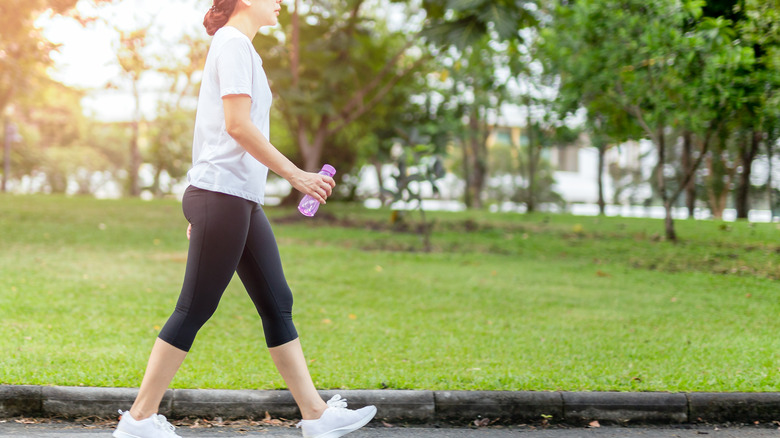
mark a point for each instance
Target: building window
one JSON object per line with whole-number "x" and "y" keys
{"x": 568, "y": 158}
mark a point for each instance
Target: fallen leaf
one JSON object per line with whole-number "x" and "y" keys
{"x": 326, "y": 321}
{"x": 386, "y": 424}
{"x": 378, "y": 268}
{"x": 482, "y": 422}
{"x": 594, "y": 424}
{"x": 352, "y": 316}
{"x": 601, "y": 273}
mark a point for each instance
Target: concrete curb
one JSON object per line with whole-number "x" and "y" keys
{"x": 407, "y": 406}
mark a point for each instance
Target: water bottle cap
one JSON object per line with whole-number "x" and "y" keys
{"x": 329, "y": 169}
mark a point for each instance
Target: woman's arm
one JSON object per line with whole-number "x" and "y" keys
{"x": 240, "y": 127}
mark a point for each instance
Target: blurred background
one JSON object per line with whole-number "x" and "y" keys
{"x": 480, "y": 109}
{"x": 625, "y": 107}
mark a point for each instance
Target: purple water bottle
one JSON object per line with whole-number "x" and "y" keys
{"x": 309, "y": 205}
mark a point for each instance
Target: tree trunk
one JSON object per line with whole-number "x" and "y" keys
{"x": 156, "y": 190}
{"x": 687, "y": 165}
{"x": 531, "y": 197}
{"x": 769, "y": 188}
{"x": 5, "y": 99}
{"x": 311, "y": 150}
{"x": 668, "y": 221}
{"x": 135, "y": 153}
{"x": 479, "y": 168}
{"x": 467, "y": 199}
{"x": 133, "y": 183}
{"x": 718, "y": 190}
{"x": 747, "y": 154}
{"x": 378, "y": 167}
{"x": 7, "y": 134}
{"x": 602, "y": 151}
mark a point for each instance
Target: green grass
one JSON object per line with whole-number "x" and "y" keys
{"x": 505, "y": 301}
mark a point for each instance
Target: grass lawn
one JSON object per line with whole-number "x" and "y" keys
{"x": 504, "y": 301}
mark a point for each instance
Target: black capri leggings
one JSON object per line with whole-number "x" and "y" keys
{"x": 229, "y": 234}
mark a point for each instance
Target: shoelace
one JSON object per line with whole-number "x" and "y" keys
{"x": 162, "y": 423}
{"x": 335, "y": 402}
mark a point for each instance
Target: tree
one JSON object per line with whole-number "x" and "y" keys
{"x": 23, "y": 47}
{"x": 606, "y": 124}
{"x": 170, "y": 136}
{"x": 25, "y": 53}
{"x": 473, "y": 93}
{"x": 641, "y": 57}
{"x": 333, "y": 65}
{"x": 756, "y": 24}
{"x": 469, "y": 32}
{"x": 133, "y": 62}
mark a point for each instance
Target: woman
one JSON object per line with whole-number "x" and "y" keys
{"x": 229, "y": 232}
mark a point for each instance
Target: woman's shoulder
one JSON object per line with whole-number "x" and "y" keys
{"x": 229, "y": 34}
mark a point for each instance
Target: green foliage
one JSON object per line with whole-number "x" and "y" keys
{"x": 170, "y": 148}
{"x": 336, "y": 63}
{"x": 463, "y": 23}
{"x": 76, "y": 163}
{"x": 418, "y": 164}
{"x": 673, "y": 67}
{"x": 25, "y": 51}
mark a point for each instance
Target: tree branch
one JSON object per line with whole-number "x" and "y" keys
{"x": 346, "y": 120}
{"x": 295, "y": 52}
{"x": 636, "y": 111}
{"x": 361, "y": 94}
{"x": 692, "y": 170}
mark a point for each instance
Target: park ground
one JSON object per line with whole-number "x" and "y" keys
{"x": 500, "y": 302}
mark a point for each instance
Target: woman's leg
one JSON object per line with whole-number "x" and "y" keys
{"x": 290, "y": 362}
{"x": 164, "y": 361}
{"x": 219, "y": 228}
{"x": 260, "y": 269}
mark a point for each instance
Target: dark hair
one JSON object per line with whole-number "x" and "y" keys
{"x": 218, "y": 15}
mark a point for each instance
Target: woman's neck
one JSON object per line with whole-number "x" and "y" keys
{"x": 244, "y": 24}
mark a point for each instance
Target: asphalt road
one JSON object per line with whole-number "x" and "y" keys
{"x": 12, "y": 429}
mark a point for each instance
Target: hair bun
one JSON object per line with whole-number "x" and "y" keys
{"x": 218, "y": 15}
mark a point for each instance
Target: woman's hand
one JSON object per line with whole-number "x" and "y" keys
{"x": 317, "y": 186}
{"x": 189, "y": 231}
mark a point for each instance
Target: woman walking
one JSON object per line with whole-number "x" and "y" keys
{"x": 229, "y": 232}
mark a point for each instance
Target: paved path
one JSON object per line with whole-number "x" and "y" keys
{"x": 11, "y": 429}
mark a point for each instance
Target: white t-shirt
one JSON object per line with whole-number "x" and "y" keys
{"x": 219, "y": 163}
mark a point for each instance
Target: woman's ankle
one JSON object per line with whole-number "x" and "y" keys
{"x": 139, "y": 414}
{"x": 313, "y": 413}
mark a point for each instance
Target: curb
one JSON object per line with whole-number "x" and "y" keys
{"x": 407, "y": 405}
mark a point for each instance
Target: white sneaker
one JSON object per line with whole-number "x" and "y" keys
{"x": 155, "y": 426}
{"x": 337, "y": 420}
